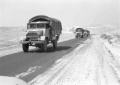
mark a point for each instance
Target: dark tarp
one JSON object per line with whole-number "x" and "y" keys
{"x": 42, "y": 18}
{"x": 79, "y": 29}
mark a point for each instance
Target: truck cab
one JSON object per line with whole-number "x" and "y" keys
{"x": 38, "y": 31}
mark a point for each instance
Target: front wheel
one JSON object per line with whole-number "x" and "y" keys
{"x": 25, "y": 47}
{"x": 76, "y": 36}
{"x": 55, "y": 44}
{"x": 57, "y": 37}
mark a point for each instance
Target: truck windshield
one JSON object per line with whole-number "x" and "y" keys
{"x": 32, "y": 25}
{"x": 40, "y": 25}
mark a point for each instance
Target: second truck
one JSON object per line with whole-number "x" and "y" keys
{"x": 41, "y": 31}
{"x": 79, "y": 32}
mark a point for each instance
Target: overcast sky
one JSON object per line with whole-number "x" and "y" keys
{"x": 69, "y": 12}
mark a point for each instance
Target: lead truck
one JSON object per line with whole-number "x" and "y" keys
{"x": 41, "y": 31}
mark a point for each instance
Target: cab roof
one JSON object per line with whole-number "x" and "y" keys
{"x": 39, "y": 22}
{"x": 42, "y": 18}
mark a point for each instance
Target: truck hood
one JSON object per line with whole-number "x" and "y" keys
{"x": 35, "y": 33}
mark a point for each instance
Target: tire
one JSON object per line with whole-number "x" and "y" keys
{"x": 76, "y": 36}
{"x": 25, "y": 47}
{"x": 54, "y": 44}
{"x": 81, "y": 36}
{"x": 44, "y": 46}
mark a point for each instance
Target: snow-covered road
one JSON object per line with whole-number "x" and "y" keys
{"x": 91, "y": 63}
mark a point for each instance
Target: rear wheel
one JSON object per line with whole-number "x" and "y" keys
{"x": 25, "y": 47}
{"x": 44, "y": 46}
{"x": 81, "y": 36}
{"x": 55, "y": 44}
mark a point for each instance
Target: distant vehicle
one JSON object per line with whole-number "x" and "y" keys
{"x": 79, "y": 32}
{"x": 86, "y": 33}
{"x": 42, "y": 30}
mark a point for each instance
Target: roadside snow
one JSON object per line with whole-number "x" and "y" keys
{"x": 4, "y": 80}
{"x": 113, "y": 46}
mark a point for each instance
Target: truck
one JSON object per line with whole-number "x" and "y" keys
{"x": 79, "y": 32}
{"x": 41, "y": 31}
{"x": 86, "y": 33}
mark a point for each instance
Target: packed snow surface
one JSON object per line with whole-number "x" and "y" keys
{"x": 91, "y": 63}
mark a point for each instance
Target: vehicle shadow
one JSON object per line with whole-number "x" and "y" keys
{"x": 59, "y": 48}
{"x": 50, "y": 49}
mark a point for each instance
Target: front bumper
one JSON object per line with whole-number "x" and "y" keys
{"x": 28, "y": 42}
{"x": 78, "y": 34}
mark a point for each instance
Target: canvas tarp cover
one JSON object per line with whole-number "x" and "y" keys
{"x": 79, "y": 29}
{"x": 54, "y": 23}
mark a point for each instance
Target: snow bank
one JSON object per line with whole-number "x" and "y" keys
{"x": 4, "y": 80}
{"x": 112, "y": 44}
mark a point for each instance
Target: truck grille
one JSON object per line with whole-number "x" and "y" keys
{"x": 34, "y": 38}
{"x": 32, "y": 34}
